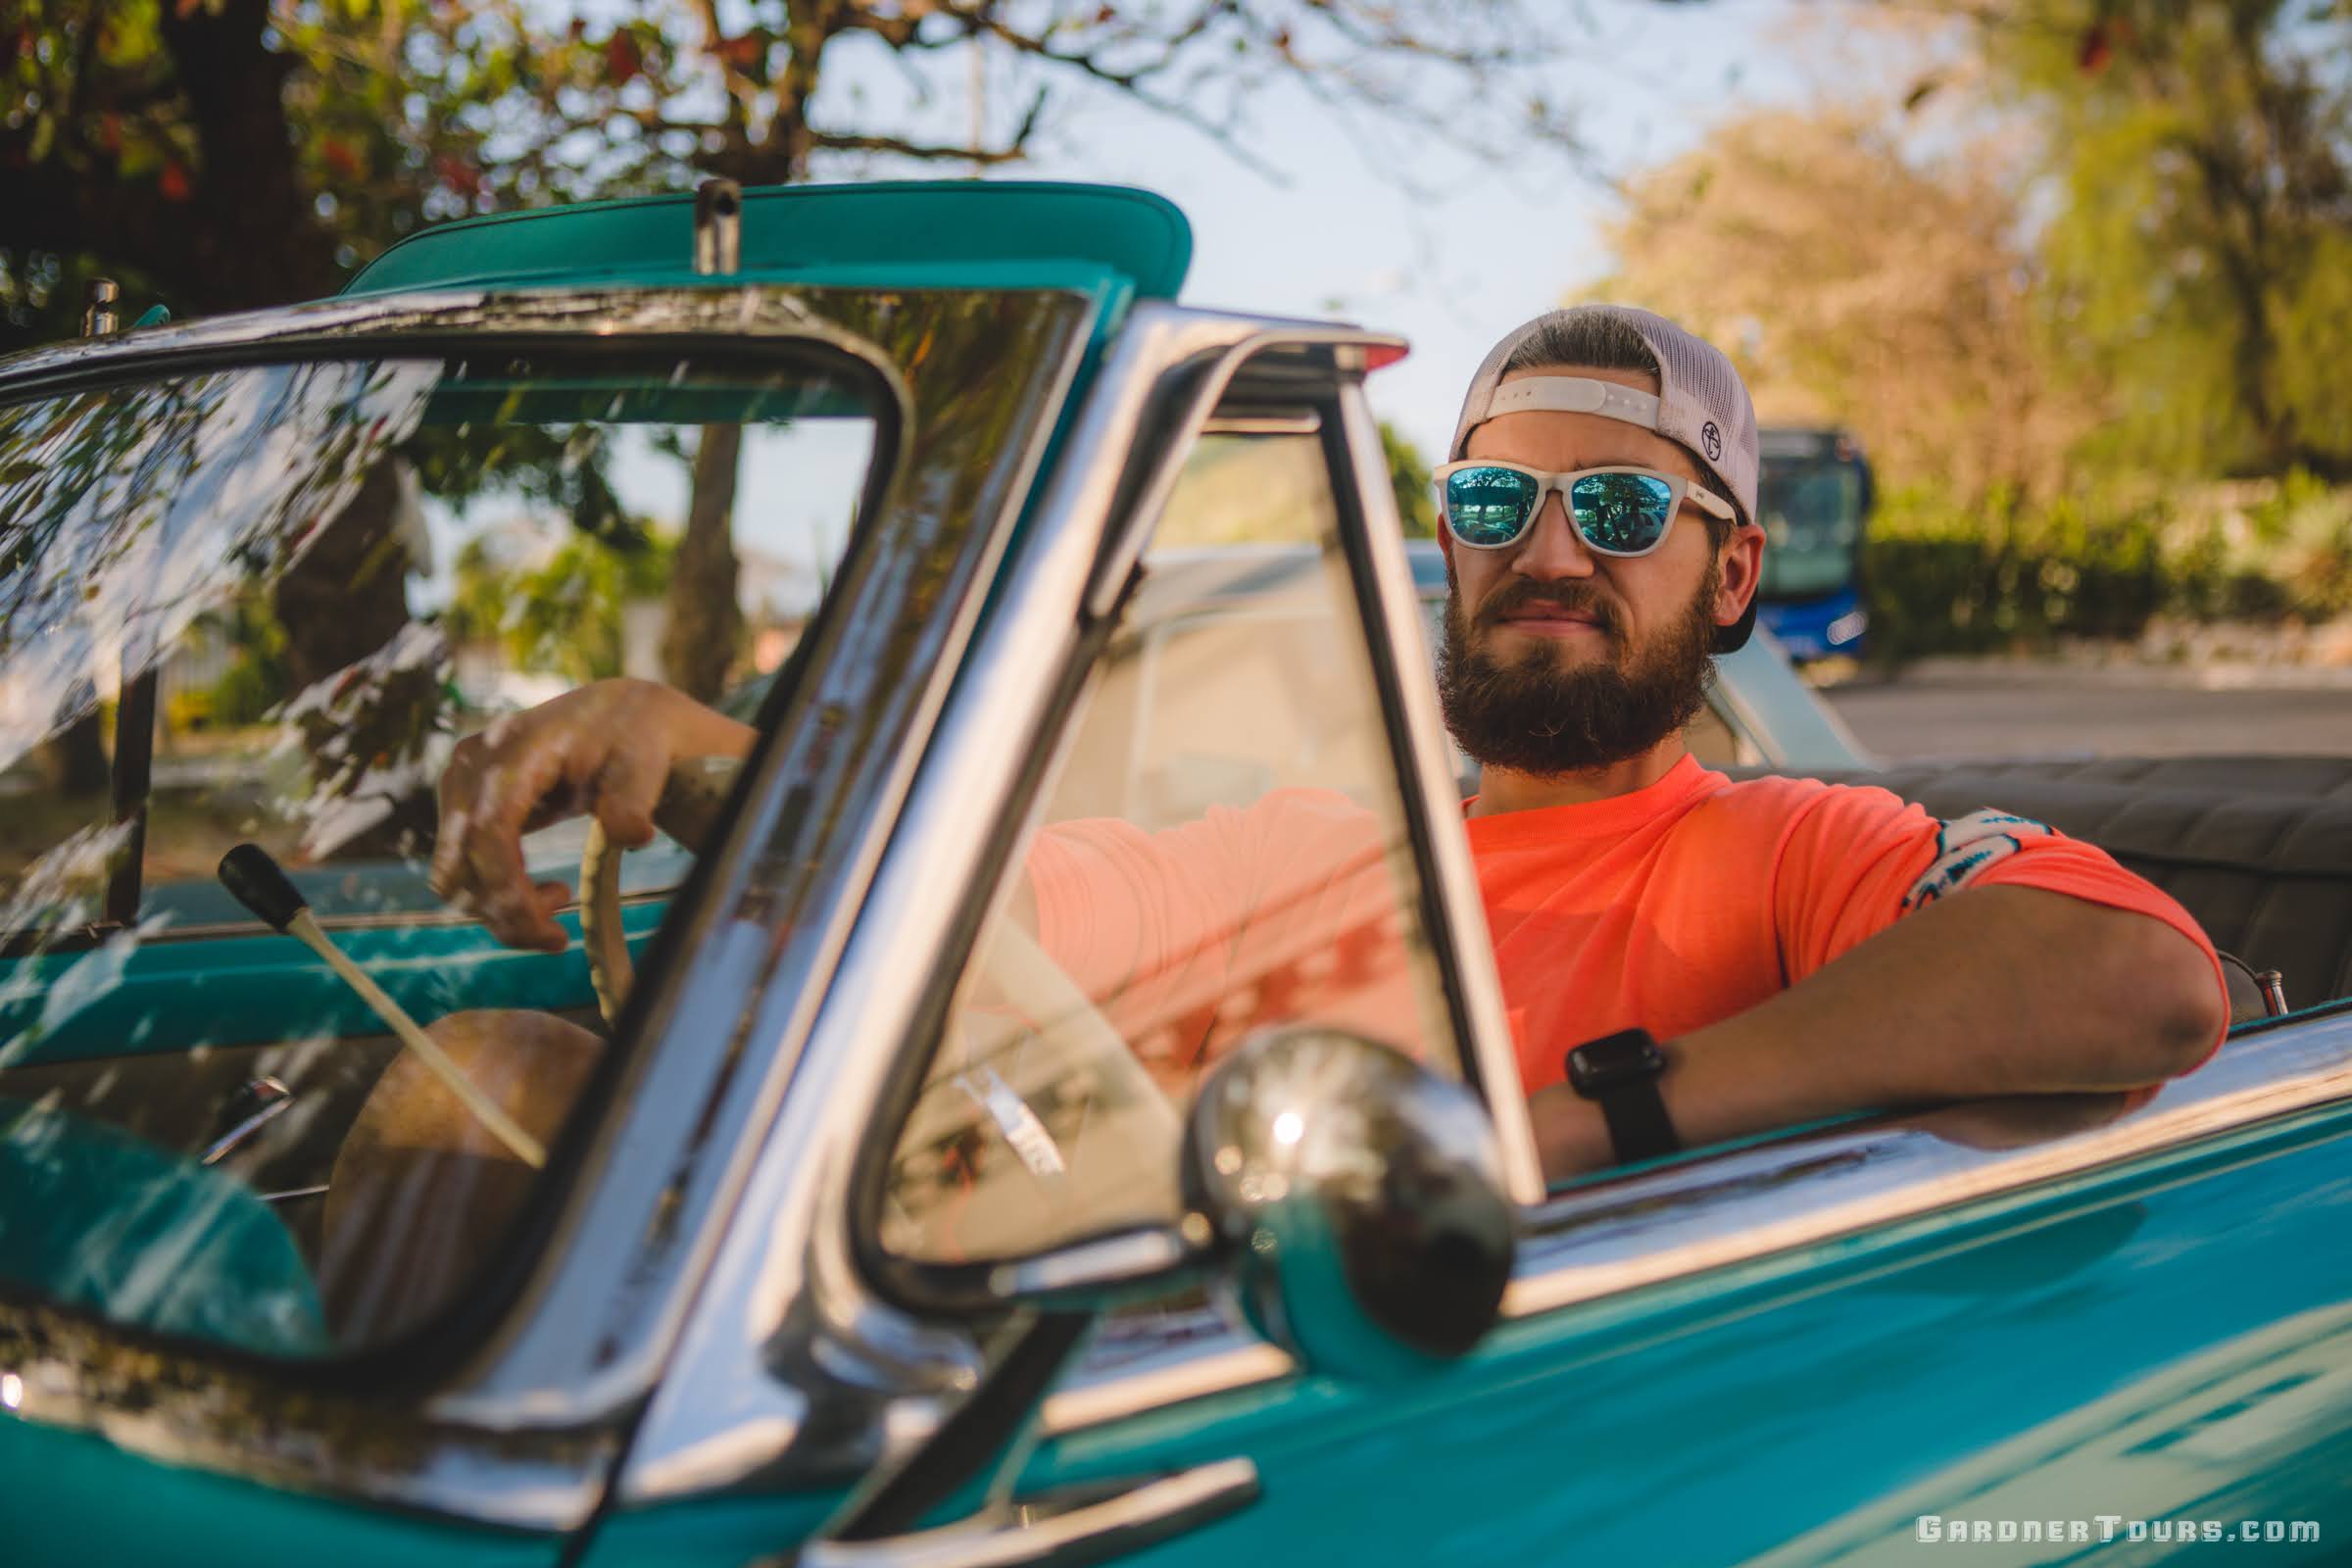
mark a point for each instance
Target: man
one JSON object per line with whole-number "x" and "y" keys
{"x": 1685, "y": 958}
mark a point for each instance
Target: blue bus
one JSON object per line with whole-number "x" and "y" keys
{"x": 1815, "y": 504}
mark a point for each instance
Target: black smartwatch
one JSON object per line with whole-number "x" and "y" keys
{"x": 1620, "y": 1073}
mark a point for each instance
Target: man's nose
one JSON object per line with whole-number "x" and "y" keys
{"x": 1553, "y": 549}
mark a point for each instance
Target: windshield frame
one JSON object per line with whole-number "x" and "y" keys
{"x": 519, "y": 1430}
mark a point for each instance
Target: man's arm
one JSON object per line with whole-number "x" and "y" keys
{"x": 1993, "y": 991}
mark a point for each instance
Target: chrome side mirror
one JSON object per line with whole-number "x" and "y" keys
{"x": 1359, "y": 1198}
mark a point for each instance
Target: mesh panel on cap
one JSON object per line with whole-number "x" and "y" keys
{"x": 1699, "y": 386}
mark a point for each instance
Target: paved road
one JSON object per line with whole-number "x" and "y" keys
{"x": 1960, "y": 715}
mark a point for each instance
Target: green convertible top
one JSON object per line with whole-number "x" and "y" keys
{"x": 907, "y": 235}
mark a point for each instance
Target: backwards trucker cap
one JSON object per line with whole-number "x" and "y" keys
{"x": 1702, "y": 406}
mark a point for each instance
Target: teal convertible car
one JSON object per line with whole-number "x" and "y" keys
{"x": 813, "y": 1207}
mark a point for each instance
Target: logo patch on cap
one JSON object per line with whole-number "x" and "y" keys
{"x": 1712, "y": 439}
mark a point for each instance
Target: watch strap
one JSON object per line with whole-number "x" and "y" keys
{"x": 1639, "y": 1127}
{"x": 1620, "y": 1073}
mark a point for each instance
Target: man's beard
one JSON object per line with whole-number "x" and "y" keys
{"x": 1532, "y": 715}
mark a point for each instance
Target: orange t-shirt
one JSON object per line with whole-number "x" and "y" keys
{"x": 1668, "y": 909}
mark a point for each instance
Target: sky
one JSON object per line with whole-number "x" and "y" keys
{"x": 1456, "y": 264}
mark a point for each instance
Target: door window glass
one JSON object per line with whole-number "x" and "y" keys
{"x": 1222, "y": 849}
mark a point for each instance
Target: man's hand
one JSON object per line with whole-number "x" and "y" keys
{"x": 604, "y": 750}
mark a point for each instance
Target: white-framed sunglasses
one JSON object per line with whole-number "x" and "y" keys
{"x": 1618, "y": 511}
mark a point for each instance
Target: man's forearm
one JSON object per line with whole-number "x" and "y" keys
{"x": 1993, "y": 991}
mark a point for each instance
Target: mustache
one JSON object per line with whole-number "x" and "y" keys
{"x": 1520, "y": 592}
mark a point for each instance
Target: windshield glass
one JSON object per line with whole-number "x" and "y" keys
{"x": 260, "y": 606}
{"x": 1812, "y": 516}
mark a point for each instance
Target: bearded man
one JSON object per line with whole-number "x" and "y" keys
{"x": 1685, "y": 958}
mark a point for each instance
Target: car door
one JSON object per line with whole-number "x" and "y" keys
{"x": 1838, "y": 1345}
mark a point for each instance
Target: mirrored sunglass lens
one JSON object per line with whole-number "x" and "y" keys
{"x": 1488, "y": 505}
{"x": 1624, "y": 514}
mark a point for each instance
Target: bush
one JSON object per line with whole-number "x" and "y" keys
{"x": 2003, "y": 577}
{"x": 1943, "y": 580}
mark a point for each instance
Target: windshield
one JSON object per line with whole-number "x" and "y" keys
{"x": 260, "y": 606}
{"x": 1812, "y": 514}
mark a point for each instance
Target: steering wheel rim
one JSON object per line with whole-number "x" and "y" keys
{"x": 611, "y": 972}
{"x": 694, "y": 795}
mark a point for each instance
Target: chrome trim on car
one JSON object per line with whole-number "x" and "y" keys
{"x": 1456, "y": 909}
{"x": 1765, "y": 703}
{"x": 782, "y": 1291}
{"x": 577, "y": 317}
{"x": 1054, "y": 1531}
{"x": 1125, "y": 549}
{"x": 1736, "y": 1208}
{"x": 1237, "y": 1360}
{"x": 525, "y": 1431}
{"x": 1765, "y": 1205}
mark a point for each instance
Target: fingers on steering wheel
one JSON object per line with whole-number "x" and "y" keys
{"x": 494, "y": 791}
{"x": 456, "y": 818}
{"x": 489, "y": 850}
{"x": 623, "y": 793}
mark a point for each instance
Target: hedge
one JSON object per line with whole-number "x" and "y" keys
{"x": 2006, "y": 577}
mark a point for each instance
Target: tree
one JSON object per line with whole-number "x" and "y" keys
{"x": 2202, "y": 243}
{"x": 1410, "y": 478}
{"x": 1863, "y": 286}
{"x": 563, "y": 614}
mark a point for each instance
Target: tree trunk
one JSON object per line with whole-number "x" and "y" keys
{"x": 706, "y": 620}
{"x": 249, "y": 235}
{"x": 344, "y": 600}
{"x": 347, "y": 595}
{"x": 74, "y": 760}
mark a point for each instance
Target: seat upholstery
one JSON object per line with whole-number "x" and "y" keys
{"x": 2259, "y": 848}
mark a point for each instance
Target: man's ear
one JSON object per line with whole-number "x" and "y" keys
{"x": 1740, "y": 566}
{"x": 1445, "y": 549}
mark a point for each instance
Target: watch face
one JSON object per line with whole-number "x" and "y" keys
{"x": 1601, "y": 1065}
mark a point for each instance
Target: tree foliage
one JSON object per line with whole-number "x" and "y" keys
{"x": 2134, "y": 258}
{"x": 2200, "y": 246}
{"x": 564, "y": 614}
{"x": 1410, "y": 478}
{"x": 2107, "y": 270}
{"x": 1860, "y": 285}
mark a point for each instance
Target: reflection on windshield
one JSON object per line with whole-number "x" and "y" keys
{"x": 1812, "y": 516}
{"x": 261, "y": 605}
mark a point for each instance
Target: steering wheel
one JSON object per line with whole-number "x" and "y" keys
{"x": 610, "y": 970}
{"x": 692, "y": 798}
{"x": 1072, "y": 1031}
